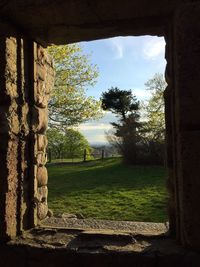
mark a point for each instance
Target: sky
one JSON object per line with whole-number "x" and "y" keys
{"x": 126, "y": 63}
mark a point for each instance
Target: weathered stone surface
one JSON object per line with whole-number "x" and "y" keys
{"x": 41, "y": 142}
{"x": 77, "y": 20}
{"x": 41, "y": 158}
{"x": 42, "y": 93}
{"x": 41, "y": 72}
{"x": 42, "y": 194}
{"x": 187, "y": 122}
{"x": 50, "y": 213}
{"x": 189, "y": 186}
{"x": 12, "y": 184}
{"x": 43, "y": 82}
{"x": 42, "y": 176}
{"x": 11, "y": 68}
{"x": 170, "y": 135}
{"x": 9, "y": 144}
{"x": 42, "y": 210}
{"x": 64, "y": 247}
{"x": 42, "y": 100}
{"x": 21, "y": 172}
{"x": 20, "y": 88}
{"x": 40, "y": 120}
{"x": 145, "y": 228}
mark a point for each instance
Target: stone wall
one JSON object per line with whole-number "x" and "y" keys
{"x": 61, "y": 247}
{"x": 9, "y": 136}
{"x": 169, "y": 138}
{"x": 187, "y": 122}
{"x": 43, "y": 82}
{"x": 26, "y": 76}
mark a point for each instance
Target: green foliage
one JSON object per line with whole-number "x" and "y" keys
{"x": 109, "y": 190}
{"x": 56, "y": 142}
{"x": 154, "y": 109}
{"x": 69, "y": 105}
{"x": 126, "y": 135}
{"x": 69, "y": 143}
{"x": 153, "y": 132}
{"x": 75, "y": 144}
{"x": 119, "y": 101}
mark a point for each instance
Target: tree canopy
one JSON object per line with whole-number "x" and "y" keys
{"x": 76, "y": 143}
{"x": 154, "y": 108}
{"x": 126, "y": 135}
{"x": 67, "y": 144}
{"x": 120, "y": 102}
{"x": 69, "y": 104}
{"x": 153, "y": 131}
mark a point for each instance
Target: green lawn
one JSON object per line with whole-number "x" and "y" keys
{"x": 109, "y": 190}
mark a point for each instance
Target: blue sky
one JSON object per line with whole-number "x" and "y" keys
{"x": 124, "y": 62}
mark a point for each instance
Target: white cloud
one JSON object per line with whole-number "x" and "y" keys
{"x": 141, "y": 94}
{"x": 95, "y": 127}
{"x": 118, "y": 47}
{"x": 98, "y": 138}
{"x": 153, "y": 48}
{"x": 149, "y": 46}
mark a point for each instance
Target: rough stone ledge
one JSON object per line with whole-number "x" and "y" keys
{"x": 73, "y": 221}
{"x": 69, "y": 247}
{"x": 101, "y": 241}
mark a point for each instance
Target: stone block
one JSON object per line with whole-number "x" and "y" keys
{"x": 11, "y": 89}
{"x": 10, "y": 187}
{"x": 11, "y": 66}
{"x": 49, "y": 61}
{"x": 35, "y": 184}
{"x": 42, "y": 211}
{"x": 25, "y": 118}
{"x": 11, "y": 46}
{"x": 4, "y": 122}
{"x": 42, "y": 194}
{"x": 42, "y": 93}
{"x": 42, "y": 100}
{"x": 40, "y": 120}
{"x": 189, "y": 186}
{"x": 41, "y": 158}
{"x": 41, "y": 55}
{"x": 41, "y": 142}
{"x": 42, "y": 176}
{"x": 9, "y": 121}
{"x": 40, "y": 87}
{"x": 41, "y": 72}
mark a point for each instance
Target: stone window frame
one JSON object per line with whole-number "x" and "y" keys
{"x": 19, "y": 112}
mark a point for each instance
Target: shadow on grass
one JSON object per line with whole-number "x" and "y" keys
{"x": 109, "y": 190}
{"x": 105, "y": 175}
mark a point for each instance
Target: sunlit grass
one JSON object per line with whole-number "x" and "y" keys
{"x": 109, "y": 190}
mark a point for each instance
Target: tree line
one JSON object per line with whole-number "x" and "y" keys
{"x": 139, "y": 132}
{"x": 139, "y": 138}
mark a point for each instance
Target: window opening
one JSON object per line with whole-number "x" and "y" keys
{"x": 95, "y": 168}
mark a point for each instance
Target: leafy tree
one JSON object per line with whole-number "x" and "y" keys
{"x": 154, "y": 108}
{"x": 67, "y": 144}
{"x": 120, "y": 102}
{"x": 69, "y": 105}
{"x": 75, "y": 144}
{"x": 126, "y": 135}
{"x": 154, "y": 128}
{"x": 56, "y": 143}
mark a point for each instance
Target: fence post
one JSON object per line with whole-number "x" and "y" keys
{"x": 84, "y": 155}
{"x": 102, "y": 154}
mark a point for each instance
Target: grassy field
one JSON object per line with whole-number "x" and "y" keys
{"x": 109, "y": 190}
